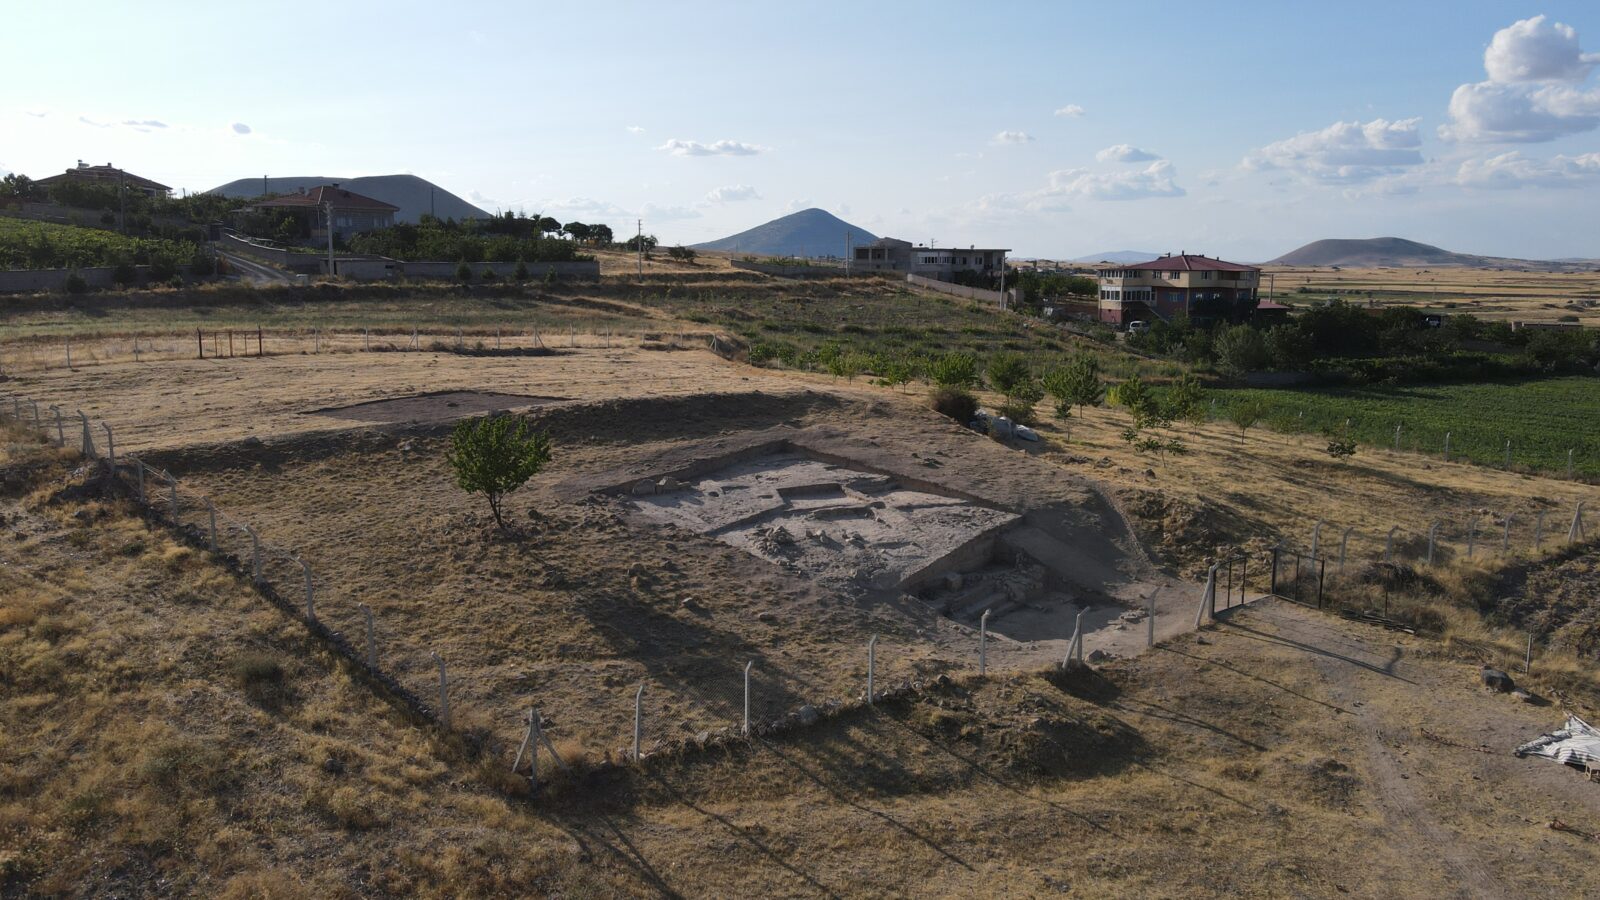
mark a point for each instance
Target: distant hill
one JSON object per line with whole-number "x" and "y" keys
{"x": 809, "y": 232}
{"x": 413, "y": 195}
{"x": 1399, "y": 253}
{"x": 1117, "y": 256}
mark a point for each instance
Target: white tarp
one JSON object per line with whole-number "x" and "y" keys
{"x": 1577, "y": 744}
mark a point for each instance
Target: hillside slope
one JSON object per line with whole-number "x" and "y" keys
{"x": 415, "y": 196}
{"x": 809, "y": 232}
{"x": 1393, "y": 252}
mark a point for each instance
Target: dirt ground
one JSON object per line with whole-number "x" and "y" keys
{"x": 1490, "y": 294}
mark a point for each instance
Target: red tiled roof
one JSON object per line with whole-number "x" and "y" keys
{"x": 1269, "y": 306}
{"x": 317, "y": 196}
{"x": 1185, "y": 262}
{"x": 103, "y": 173}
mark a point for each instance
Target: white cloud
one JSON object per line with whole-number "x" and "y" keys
{"x": 1013, "y": 137}
{"x": 143, "y": 124}
{"x": 1125, "y": 153}
{"x": 582, "y": 208}
{"x": 241, "y": 128}
{"x": 1513, "y": 170}
{"x": 1154, "y": 180}
{"x": 732, "y": 193}
{"x": 1071, "y": 111}
{"x": 715, "y": 148}
{"x": 1535, "y": 91}
{"x": 88, "y": 121}
{"x": 654, "y": 213}
{"x": 1534, "y": 50}
{"x": 1345, "y": 152}
{"x": 635, "y": 129}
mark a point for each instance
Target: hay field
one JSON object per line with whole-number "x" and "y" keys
{"x": 1487, "y": 293}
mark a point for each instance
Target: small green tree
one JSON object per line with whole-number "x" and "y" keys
{"x": 895, "y": 372}
{"x": 1185, "y": 401}
{"x": 1239, "y": 350}
{"x": 681, "y": 253}
{"x": 521, "y": 274}
{"x": 464, "y": 272}
{"x": 496, "y": 455}
{"x": 1076, "y": 384}
{"x": 1007, "y": 371}
{"x": 1245, "y": 414}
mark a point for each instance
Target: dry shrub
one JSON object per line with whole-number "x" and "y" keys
{"x": 355, "y": 809}
{"x": 953, "y": 402}
{"x": 184, "y": 764}
{"x": 262, "y": 679}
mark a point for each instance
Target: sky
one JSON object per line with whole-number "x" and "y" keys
{"x": 1056, "y": 129}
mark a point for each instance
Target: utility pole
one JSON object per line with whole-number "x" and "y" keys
{"x": 847, "y": 251}
{"x": 430, "y": 203}
{"x": 1002, "y": 279}
{"x": 639, "y": 239}
{"x": 263, "y": 185}
{"x": 122, "y": 204}
{"x": 331, "y": 272}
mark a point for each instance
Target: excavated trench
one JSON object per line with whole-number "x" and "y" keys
{"x": 837, "y": 522}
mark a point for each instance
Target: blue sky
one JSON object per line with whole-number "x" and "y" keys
{"x": 1057, "y": 129}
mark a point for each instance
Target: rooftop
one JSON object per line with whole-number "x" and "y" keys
{"x": 107, "y": 171}
{"x": 1183, "y": 262}
{"x": 323, "y": 194}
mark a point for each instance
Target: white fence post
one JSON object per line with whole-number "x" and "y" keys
{"x": 1207, "y": 599}
{"x": 61, "y": 429}
{"x": 638, "y": 720}
{"x": 1079, "y": 643}
{"x": 529, "y": 740}
{"x": 1447, "y": 446}
{"x": 211, "y": 516}
{"x": 1575, "y": 532}
{"x": 372, "y": 639}
{"x": 1397, "y": 438}
{"x": 1388, "y": 545}
{"x": 172, "y": 485}
{"x": 1433, "y": 533}
{"x": 111, "y": 447}
{"x": 747, "y": 697}
{"x": 983, "y": 644}
{"x": 1344, "y": 544}
{"x": 1316, "y": 539}
{"x": 444, "y": 692}
{"x": 872, "y": 667}
{"x": 1505, "y": 537}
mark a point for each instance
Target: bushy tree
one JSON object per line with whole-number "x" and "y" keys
{"x": 1244, "y": 414}
{"x": 955, "y": 370}
{"x": 1239, "y": 350}
{"x": 1007, "y": 371}
{"x": 681, "y": 253}
{"x": 496, "y": 455}
{"x": 1076, "y": 384}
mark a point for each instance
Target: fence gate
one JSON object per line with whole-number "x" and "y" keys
{"x": 1231, "y": 575}
{"x": 1298, "y": 577}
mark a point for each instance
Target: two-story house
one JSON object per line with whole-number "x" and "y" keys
{"x": 1200, "y": 287}
{"x": 938, "y": 263}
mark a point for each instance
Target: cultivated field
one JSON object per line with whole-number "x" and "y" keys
{"x": 1490, "y": 294}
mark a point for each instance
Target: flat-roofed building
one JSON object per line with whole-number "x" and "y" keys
{"x": 938, "y": 263}
{"x": 1201, "y": 287}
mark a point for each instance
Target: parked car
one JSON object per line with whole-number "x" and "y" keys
{"x": 1138, "y": 325}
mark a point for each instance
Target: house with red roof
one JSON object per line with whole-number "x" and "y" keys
{"x": 1203, "y": 288}
{"x": 107, "y": 175}
{"x": 350, "y": 213}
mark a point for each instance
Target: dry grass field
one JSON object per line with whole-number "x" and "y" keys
{"x": 1489, "y": 294}
{"x": 1255, "y": 758}
{"x": 167, "y": 732}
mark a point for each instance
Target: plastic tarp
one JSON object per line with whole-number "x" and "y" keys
{"x": 1577, "y": 744}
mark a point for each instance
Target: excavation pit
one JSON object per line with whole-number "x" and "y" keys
{"x": 828, "y": 521}
{"x": 432, "y": 407}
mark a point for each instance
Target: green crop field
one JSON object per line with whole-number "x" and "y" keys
{"x": 1542, "y": 419}
{"x": 25, "y": 244}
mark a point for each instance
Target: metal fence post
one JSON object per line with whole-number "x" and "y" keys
{"x": 372, "y": 640}
{"x": 211, "y": 515}
{"x": 138, "y": 473}
{"x": 88, "y": 437}
{"x": 1273, "y": 585}
{"x": 35, "y": 405}
{"x": 872, "y": 666}
{"x": 1344, "y": 544}
{"x": 1569, "y": 465}
{"x": 983, "y": 644}
{"x": 111, "y": 447}
{"x": 1150, "y": 620}
{"x": 172, "y": 485}
{"x": 1388, "y": 545}
{"x": 1505, "y": 538}
{"x": 746, "y": 729}
{"x": 61, "y": 429}
{"x": 1316, "y": 538}
{"x": 638, "y": 720}
{"x": 1078, "y": 644}
{"x": 1538, "y": 531}
{"x": 1575, "y": 532}
{"x": 444, "y": 697}
{"x": 1472, "y": 536}
{"x": 1433, "y": 533}
{"x": 1508, "y": 453}
{"x": 255, "y": 554}
{"x": 1447, "y": 446}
